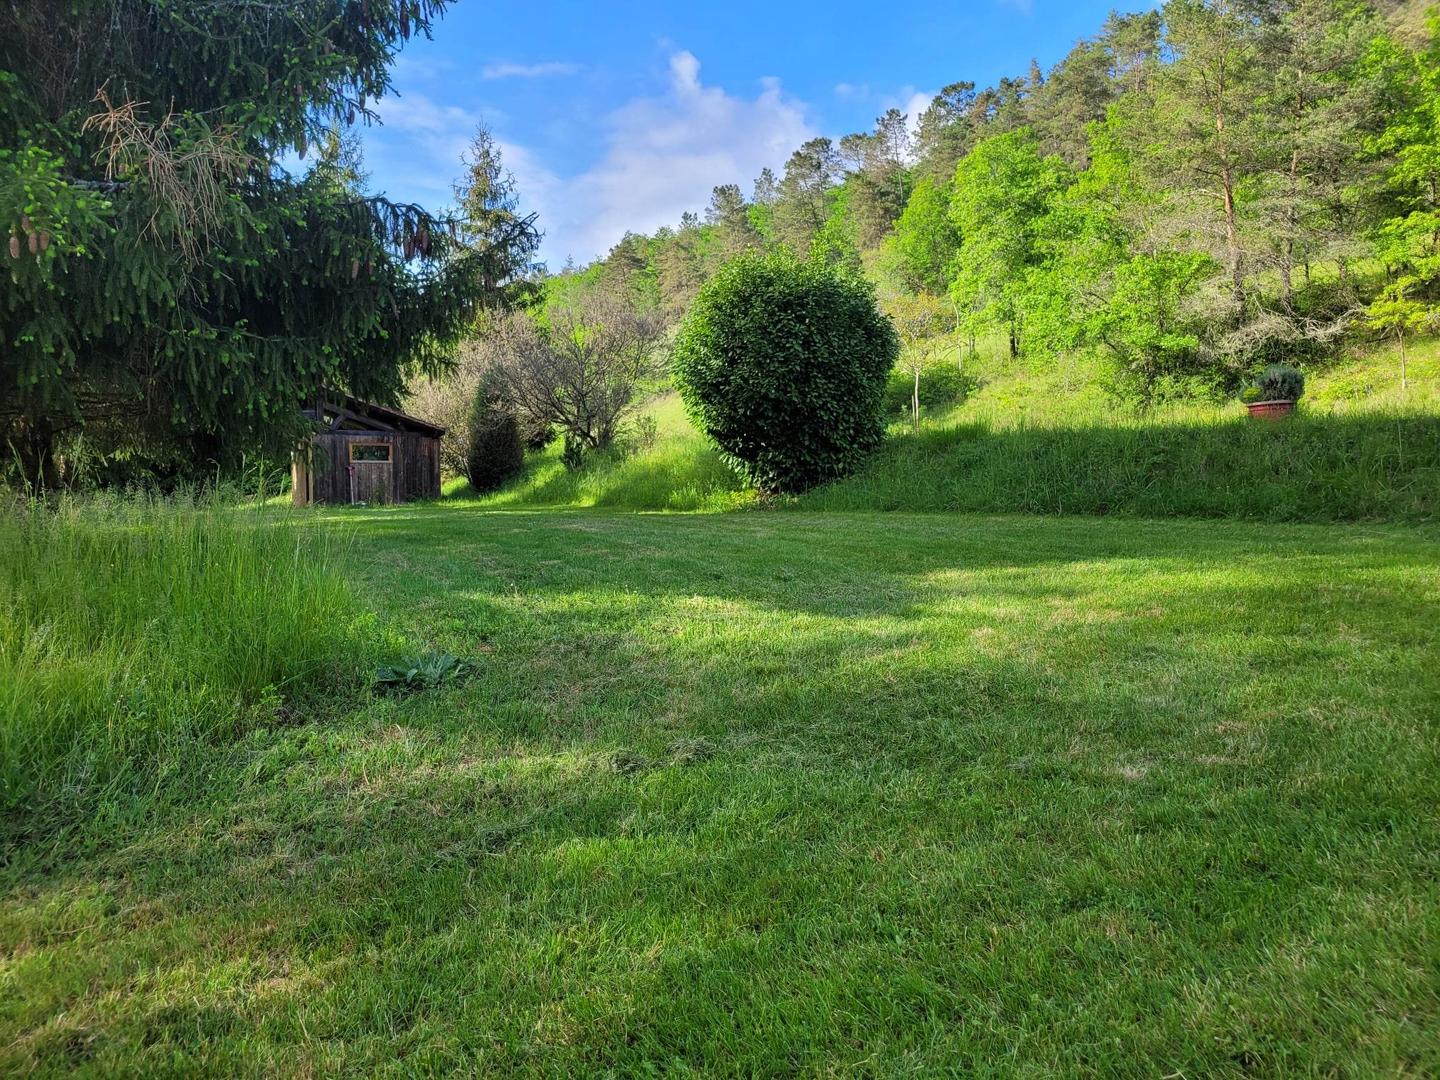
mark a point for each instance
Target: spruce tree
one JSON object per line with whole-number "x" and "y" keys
{"x": 173, "y": 292}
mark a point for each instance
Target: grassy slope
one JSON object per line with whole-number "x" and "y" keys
{"x": 1052, "y": 442}
{"x": 678, "y": 472}
{"x": 768, "y": 793}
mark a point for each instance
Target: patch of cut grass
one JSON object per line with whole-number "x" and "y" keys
{"x": 1002, "y": 795}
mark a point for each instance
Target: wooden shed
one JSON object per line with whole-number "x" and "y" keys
{"x": 366, "y": 453}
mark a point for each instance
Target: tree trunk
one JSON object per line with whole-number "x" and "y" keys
{"x": 1233, "y": 256}
{"x": 915, "y": 401}
{"x": 1233, "y": 260}
{"x": 1292, "y": 221}
{"x": 1014, "y": 341}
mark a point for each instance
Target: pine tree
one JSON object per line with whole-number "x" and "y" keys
{"x": 172, "y": 291}
{"x": 734, "y": 231}
{"x": 1315, "y": 106}
{"x": 490, "y": 217}
{"x": 879, "y": 180}
{"x": 1203, "y": 139}
{"x": 948, "y": 129}
{"x": 802, "y": 204}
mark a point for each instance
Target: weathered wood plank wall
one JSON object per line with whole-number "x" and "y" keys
{"x": 325, "y": 478}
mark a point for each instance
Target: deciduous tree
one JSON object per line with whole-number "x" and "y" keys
{"x": 579, "y": 366}
{"x": 1002, "y": 194}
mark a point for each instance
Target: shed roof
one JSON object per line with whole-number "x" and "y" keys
{"x": 341, "y": 412}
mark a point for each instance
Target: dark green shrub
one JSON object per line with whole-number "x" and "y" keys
{"x": 783, "y": 364}
{"x": 573, "y": 453}
{"x": 1278, "y": 382}
{"x": 496, "y": 450}
{"x": 536, "y": 434}
{"x": 941, "y": 387}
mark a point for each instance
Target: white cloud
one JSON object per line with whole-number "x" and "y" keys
{"x": 414, "y": 155}
{"x": 1024, "y": 7}
{"x": 914, "y": 107}
{"x": 428, "y": 69}
{"x": 528, "y": 71}
{"x": 661, "y": 156}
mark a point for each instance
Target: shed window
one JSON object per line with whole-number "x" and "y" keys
{"x": 369, "y": 452}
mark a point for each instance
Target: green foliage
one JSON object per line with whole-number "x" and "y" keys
{"x": 421, "y": 671}
{"x": 131, "y": 629}
{"x": 1409, "y": 304}
{"x": 1191, "y": 194}
{"x": 572, "y": 456}
{"x": 1408, "y": 239}
{"x": 834, "y": 242}
{"x": 1003, "y": 191}
{"x": 496, "y": 450}
{"x": 942, "y": 386}
{"x": 1093, "y": 290}
{"x": 1397, "y": 312}
{"x": 491, "y": 222}
{"x": 1278, "y": 382}
{"x": 1362, "y": 451}
{"x": 192, "y": 294}
{"x": 803, "y": 198}
{"x": 784, "y": 364}
{"x": 921, "y": 248}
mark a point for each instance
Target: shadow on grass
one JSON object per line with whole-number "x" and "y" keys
{"x": 838, "y": 792}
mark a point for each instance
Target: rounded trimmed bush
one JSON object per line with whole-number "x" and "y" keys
{"x": 784, "y": 364}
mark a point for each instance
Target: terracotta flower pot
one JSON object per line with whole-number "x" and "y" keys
{"x": 1270, "y": 410}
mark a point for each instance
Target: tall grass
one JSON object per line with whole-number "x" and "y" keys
{"x": 677, "y": 471}
{"x": 1320, "y": 467}
{"x": 130, "y": 626}
{"x": 1051, "y": 440}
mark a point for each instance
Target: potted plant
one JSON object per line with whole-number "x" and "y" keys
{"x": 1274, "y": 393}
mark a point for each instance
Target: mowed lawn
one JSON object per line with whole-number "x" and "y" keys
{"x": 779, "y": 793}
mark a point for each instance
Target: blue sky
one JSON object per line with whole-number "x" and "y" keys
{"x": 623, "y": 116}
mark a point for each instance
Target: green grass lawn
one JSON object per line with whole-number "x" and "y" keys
{"x": 775, "y": 793}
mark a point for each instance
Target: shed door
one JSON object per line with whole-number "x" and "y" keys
{"x": 371, "y": 479}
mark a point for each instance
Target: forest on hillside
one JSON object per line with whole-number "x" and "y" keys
{"x": 1191, "y": 193}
